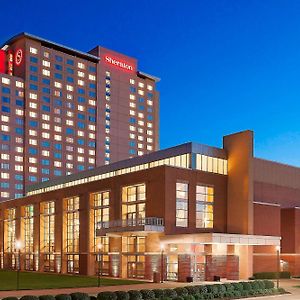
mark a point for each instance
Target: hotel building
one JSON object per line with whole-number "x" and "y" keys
{"x": 191, "y": 210}
{"x": 64, "y": 111}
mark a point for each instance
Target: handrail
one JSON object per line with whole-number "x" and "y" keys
{"x": 150, "y": 221}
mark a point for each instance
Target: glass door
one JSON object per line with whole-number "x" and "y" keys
{"x": 172, "y": 267}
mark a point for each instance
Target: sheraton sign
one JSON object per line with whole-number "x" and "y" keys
{"x": 118, "y": 63}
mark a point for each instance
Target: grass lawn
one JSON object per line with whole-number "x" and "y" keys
{"x": 34, "y": 281}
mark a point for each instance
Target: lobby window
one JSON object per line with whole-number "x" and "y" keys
{"x": 204, "y": 206}
{"x": 10, "y": 231}
{"x": 72, "y": 238}
{"x": 133, "y": 204}
{"x": 47, "y": 234}
{"x": 181, "y": 204}
{"x": 28, "y": 237}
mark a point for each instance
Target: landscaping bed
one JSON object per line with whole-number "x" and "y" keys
{"x": 234, "y": 290}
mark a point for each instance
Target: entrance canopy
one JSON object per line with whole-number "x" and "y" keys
{"x": 222, "y": 238}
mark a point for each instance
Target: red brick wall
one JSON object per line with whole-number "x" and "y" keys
{"x": 184, "y": 267}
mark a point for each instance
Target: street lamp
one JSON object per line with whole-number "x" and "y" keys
{"x": 99, "y": 247}
{"x": 278, "y": 265}
{"x": 162, "y": 248}
{"x": 18, "y": 248}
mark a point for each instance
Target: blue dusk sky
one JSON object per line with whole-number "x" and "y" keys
{"x": 225, "y": 65}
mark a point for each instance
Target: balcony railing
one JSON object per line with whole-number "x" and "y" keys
{"x": 145, "y": 224}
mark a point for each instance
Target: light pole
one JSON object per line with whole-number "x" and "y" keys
{"x": 99, "y": 247}
{"x": 278, "y": 265}
{"x": 18, "y": 248}
{"x": 162, "y": 248}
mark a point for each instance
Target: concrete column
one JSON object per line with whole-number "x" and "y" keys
{"x": 245, "y": 261}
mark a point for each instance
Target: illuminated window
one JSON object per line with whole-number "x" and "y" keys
{"x": 81, "y": 65}
{"x": 28, "y": 237}
{"x": 211, "y": 164}
{"x": 133, "y": 204}
{"x": 46, "y": 72}
{"x": 46, "y": 63}
{"x": 72, "y": 238}
{"x": 131, "y": 81}
{"x": 10, "y": 231}
{"x": 149, "y": 87}
{"x": 182, "y": 204}
{"x": 204, "y": 206}
{"x": 33, "y": 50}
{"x": 5, "y": 80}
{"x": 141, "y": 84}
{"x": 47, "y": 234}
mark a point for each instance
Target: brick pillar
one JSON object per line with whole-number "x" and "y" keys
{"x": 152, "y": 264}
{"x": 85, "y": 259}
{"x": 232, "y": 267}
{"x": 115, "y": 266}
{"x": 184, "y": 267}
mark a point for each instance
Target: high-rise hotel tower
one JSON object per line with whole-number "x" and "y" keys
{"x": 64, "y": 111}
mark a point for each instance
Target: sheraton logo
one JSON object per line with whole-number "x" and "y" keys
{"x": 118, "y": 63}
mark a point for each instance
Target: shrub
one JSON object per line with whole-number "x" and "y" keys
{"x": 63, "y": 297}
{"x": 107, "y": 296}
{"x": 29, "y": 297}
{"x": 199, "y": 297}
{"x": 271, "y": 275}
{"x": 202, "y": 289}
{"x": 246, "y": 286}
{"x": 245, "y": 293}
{"x": 171, "y": 293}
{"x": 46, "y": 297}
{"x": 208, "y": 296}
{"x": 122, "y": 295}
{"x": 159, "y": 293}
{"x": 93, "y": 298}
{"x": 147, "y": 294}
{"x": 188, "y": 297}
{"x": 10, "y": 298}
{"x": 261, "y": 284}
{"x": 80, "y": 296}
{"x": 165, "y": 298}
{"x": 192, "y": 290}
{"x": 135, "y": 295}
{"x": 254, "y": 285}
{"x": 281, "y": 290}
{"x": 229, "y": 287}
{"x": 269, "y": 284}
{"x": 237, "y": 294}
{"x": 229, "y": 294}
{"x": 178, "y": 298}
{"x": 222, "y": 288}
{"x": 213, "y": 289}
{"x": 237, "y": 286}
{"x": 181, "y": 291}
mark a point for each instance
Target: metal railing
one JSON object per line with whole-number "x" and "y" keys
{"x": 151, "y": 221}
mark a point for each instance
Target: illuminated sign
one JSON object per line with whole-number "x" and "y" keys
{"x": 2, "y": 61}
{"x": 118, "y": 63}
{"x": 10, "y": 63}
{"x": 18, "y": 57}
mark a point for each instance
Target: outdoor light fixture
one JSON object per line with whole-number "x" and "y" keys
{"x": 99, "y": 247}
{"x": 278, "y": 265}
{"x": 18, "y": 246}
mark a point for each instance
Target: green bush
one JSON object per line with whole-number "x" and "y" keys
{"x": 222, "y": 288}
{"x": 199, "y": 297}
{"x": 80, "y": 296}
{"x": 245, "y": 293}
{"x": 188, "y": 297}
{"x": 63, "y": 297}
{"x": 147, "y": 294}
{"x": 29, "y": 297}
{"x": 135, "y": 295}
{"x": 208, "y": 296}
{"x": 159, "y": 293}
{"x": 178, "y": 298}
{"x": 261, "y": 284}
{"x": 213, "y": 289}
{"x": 229, "y": 287}
{"x": 93, "y": 298}
{"x": 246, "y": 286}
{"x": 237, "y": 286}
{"x": 269, "y": 284}
{"x": 254, "y": 285}
{"x": 181, "y": 291}
{"x": 46, "y": 297}
{"x": 107, "y": 296}
{"x": 10, "y": 298}
{"x": 202, "y": 289}
{"x": 271, "y": 275}
{"x": 171, "y": 293}
{"x": 237, "y": 294}
{"x": 229, "y": 294}
{"x": 192, "y": 289}
{"x": 165, "y": 298}
{"x": 122, "y": 295}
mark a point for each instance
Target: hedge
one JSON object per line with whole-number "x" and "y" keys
{"x": 195, "y": 292}
{"x": 271, "y": 275}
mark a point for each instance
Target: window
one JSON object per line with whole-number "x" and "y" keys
{"x": 204, "y": 206}
{"x": 10, "y": 231}
{"x": 181, "y": 204}
{"x": 72, "y": 238}
{"x": 133, "y": 204}
{"x": 28, "y": 237}
{"x": 47, "y": 234}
